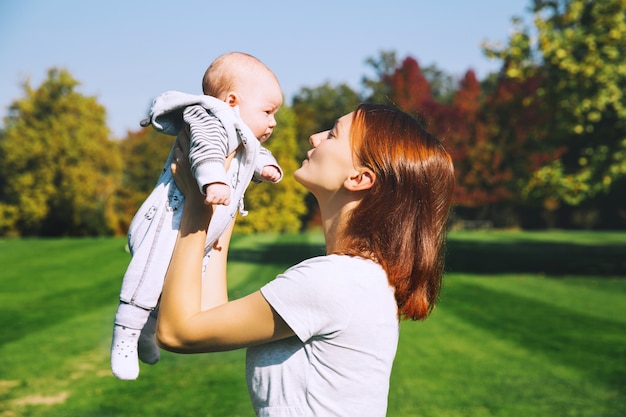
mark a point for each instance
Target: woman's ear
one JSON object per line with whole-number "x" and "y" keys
{"x": 362, "y": 179}
{"x": 232, "y": 99}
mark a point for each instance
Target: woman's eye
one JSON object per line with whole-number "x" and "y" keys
{"x": 330, "y": 135}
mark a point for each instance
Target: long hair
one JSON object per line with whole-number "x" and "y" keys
{"x": 401, "y": 221}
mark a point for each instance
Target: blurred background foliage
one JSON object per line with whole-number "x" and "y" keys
{"x": 539, "y": 144}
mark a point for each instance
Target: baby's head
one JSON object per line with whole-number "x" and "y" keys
{"x": 242, "y": 80}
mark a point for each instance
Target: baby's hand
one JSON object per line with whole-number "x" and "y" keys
{"x": 270, "y": 173}
{"x": 217, "y": 193}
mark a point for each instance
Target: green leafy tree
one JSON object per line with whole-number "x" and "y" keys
{"x": 377, "y": 88}
{"x": 442, "y": 84}
{"x": 58, "y": 167}
{"x": 317, "y": 109}
{"x": 277, "y": 207}
{"x": 579, "y": 58}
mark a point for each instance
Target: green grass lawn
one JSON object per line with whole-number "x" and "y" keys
{"x": 529, "y": 324}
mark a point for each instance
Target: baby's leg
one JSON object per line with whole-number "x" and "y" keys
{"x": 147, "y": 348}
{"x": 152, "y": 242}
{"x": 124, "y": 357}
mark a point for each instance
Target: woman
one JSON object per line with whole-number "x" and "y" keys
{"x": 322, "y": 336}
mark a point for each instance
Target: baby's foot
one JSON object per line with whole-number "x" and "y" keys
{"x": 147, "y": 348}
{"x": 124, "y": 361}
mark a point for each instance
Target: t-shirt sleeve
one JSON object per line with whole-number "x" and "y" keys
{"x": 312, "y": 298}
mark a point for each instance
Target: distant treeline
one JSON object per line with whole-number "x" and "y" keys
{"x": 539, "y": 144}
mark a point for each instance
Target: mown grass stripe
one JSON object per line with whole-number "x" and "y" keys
{"x": 506, "y": 344}
{"x": 573, "y": 339}
{"x": 599, "y": 297}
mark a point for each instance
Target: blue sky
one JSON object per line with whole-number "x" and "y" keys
{"x": 125, "y": 52}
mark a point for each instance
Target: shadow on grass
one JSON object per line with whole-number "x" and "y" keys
{"x": 282, "y": 254}
{"x": 269, "y": 260}
{"x": 38, "y": 313}
{"x": 519, "y": 256}
{"x": 42, "y": 312}
{"x": 475, "y": 256}
{"x": 554, "y": 258}
{"x": 592, "y": 345}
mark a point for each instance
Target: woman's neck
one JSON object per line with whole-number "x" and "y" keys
{"x": 334, "y": 214}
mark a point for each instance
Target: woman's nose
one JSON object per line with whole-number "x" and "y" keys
{"x": 315, "y": 139}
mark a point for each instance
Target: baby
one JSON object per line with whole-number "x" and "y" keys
{"x": 236, "y": 114}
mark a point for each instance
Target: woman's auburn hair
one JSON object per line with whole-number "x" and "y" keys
{"x": 401, "y": 221}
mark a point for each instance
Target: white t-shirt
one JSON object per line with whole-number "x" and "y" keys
{"x": 345, "y": 318}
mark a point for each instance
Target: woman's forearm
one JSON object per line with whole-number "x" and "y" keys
{"x": 181, "y": 296}
{"x": 196, "y": 316}
{"x": 214, "y": 282}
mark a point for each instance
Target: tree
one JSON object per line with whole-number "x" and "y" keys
{"x": 58, "y": 167}
{"x": 410, "y": 90}
{"x": 277, "y": 207}
{"x": 442, "y": 85}
{"x": 317, "y": 109}
{"x": 482, "y": 173}
{"x": 378, "y": 88}
{"x": 579, "y": 59}
{"x": 516, "y": 120}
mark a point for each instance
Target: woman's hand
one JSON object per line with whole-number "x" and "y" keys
{"x": 181, "y": 168}
{"x": 195, "y": 315}
{"x": 196, "y": 214}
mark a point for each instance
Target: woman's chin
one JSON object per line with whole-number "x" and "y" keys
{"x": 297, "y": 175}
{"x": 300, "y": 178}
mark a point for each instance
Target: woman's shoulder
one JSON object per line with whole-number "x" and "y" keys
{"x": 338, "y": 270}
{"x": 324, "y": 294}
{"x": 339, "y": 261}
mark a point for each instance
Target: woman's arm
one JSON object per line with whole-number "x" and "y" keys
{"x": 190, "y": 322}
{"x": 214, "y": 285}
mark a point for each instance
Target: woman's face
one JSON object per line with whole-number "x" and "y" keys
{"x": 329, "y": 163}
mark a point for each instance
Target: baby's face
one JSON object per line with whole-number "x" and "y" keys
{"x": 260, "y": 99}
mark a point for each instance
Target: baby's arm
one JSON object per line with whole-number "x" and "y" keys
{"x": 267, "y": 168}
{"x": 207, "y": 154}
{"x": 217, "y": 193}
{"x": 271, "y": 173}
